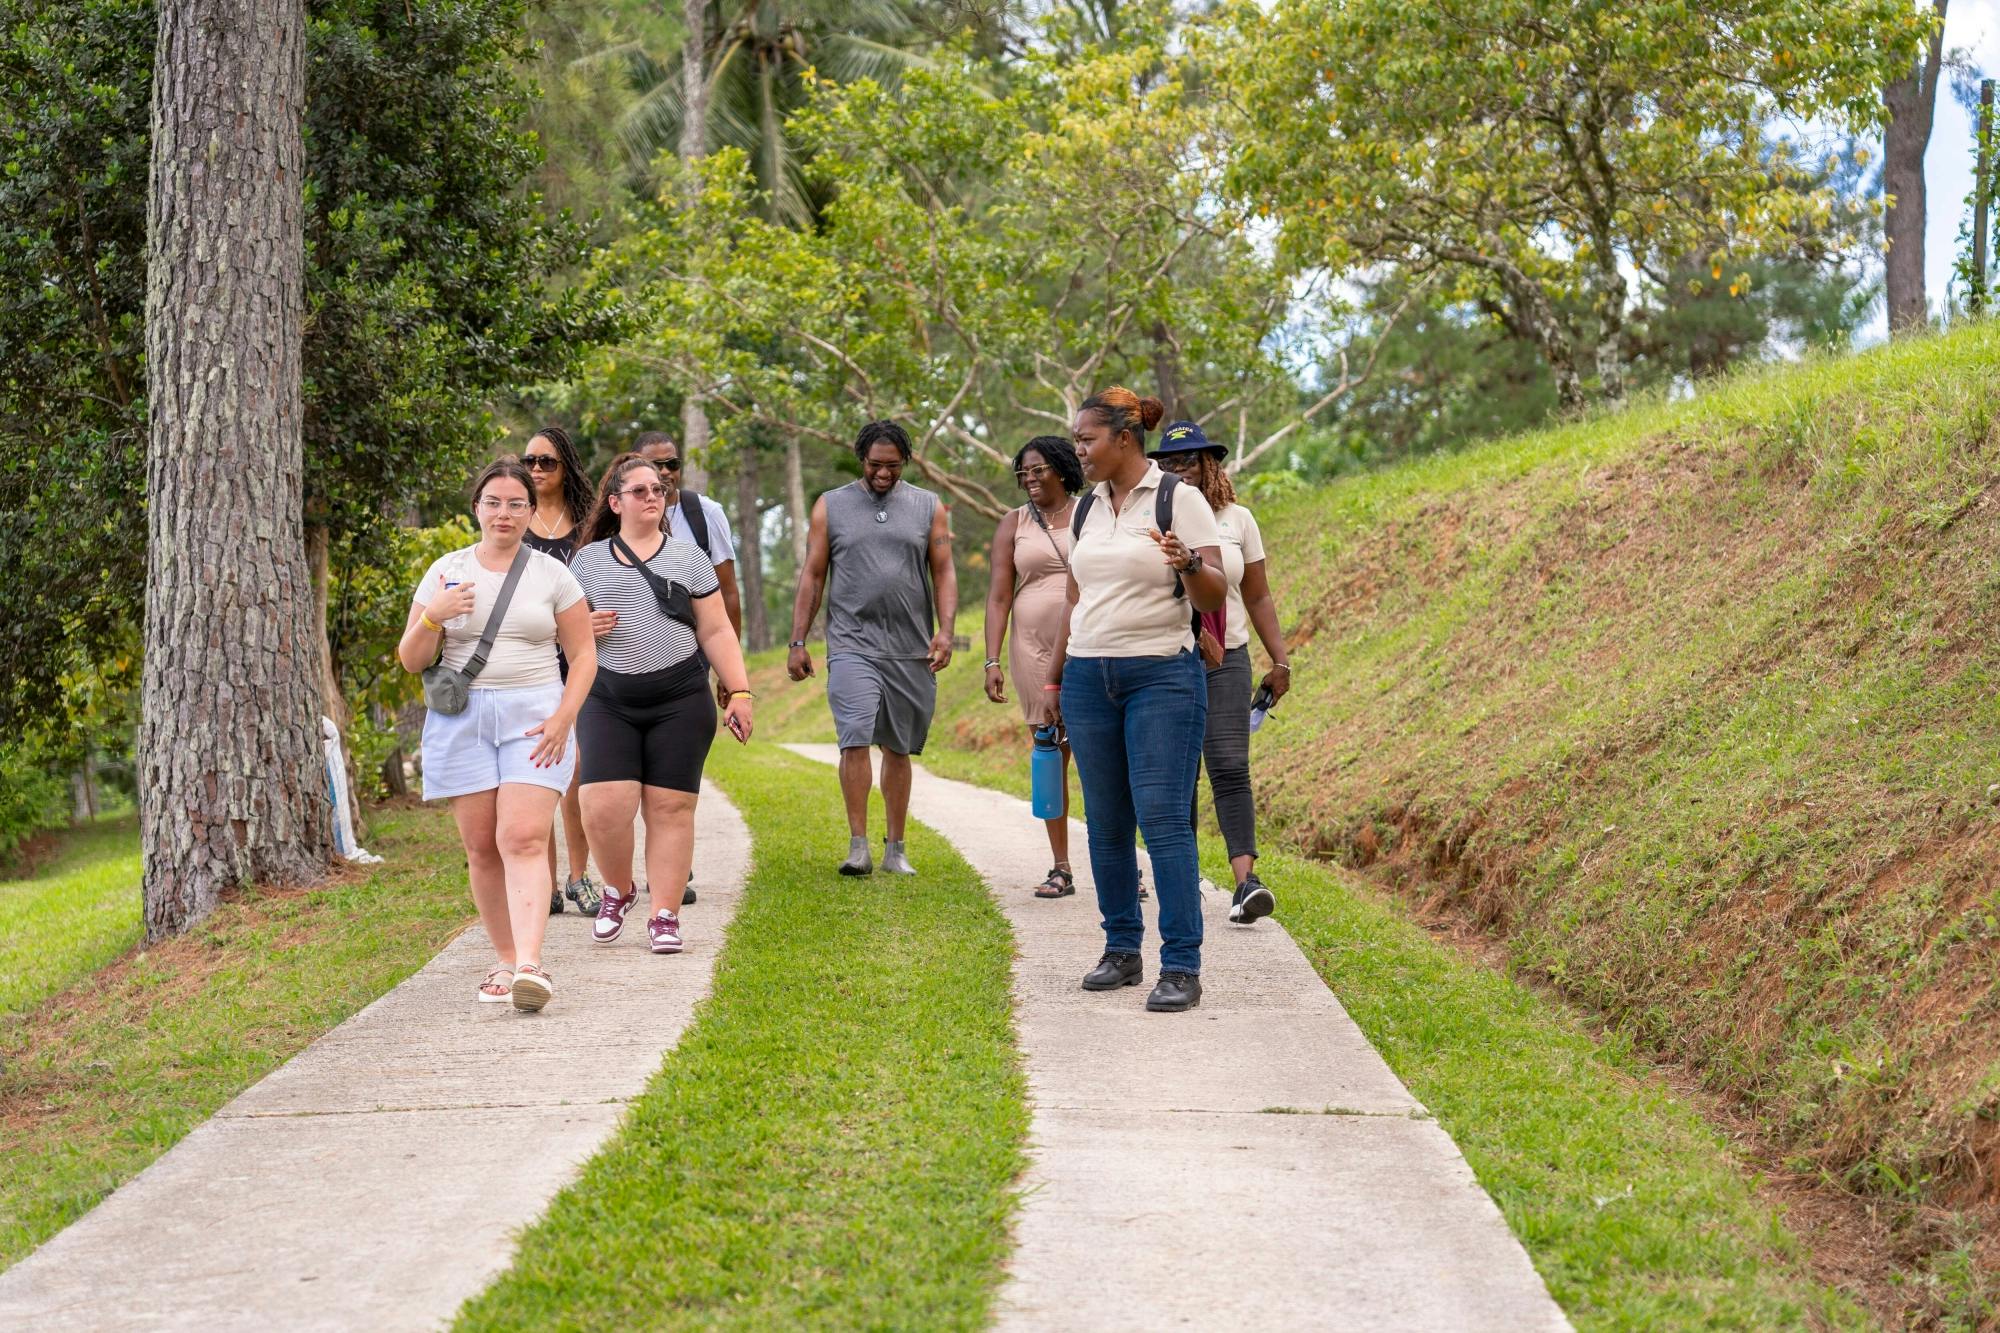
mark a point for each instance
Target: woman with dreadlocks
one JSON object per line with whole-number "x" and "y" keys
{"x": 1029, "y": 592}
{"x": 563, "y": 497}
{"x": 1188, "y": 453}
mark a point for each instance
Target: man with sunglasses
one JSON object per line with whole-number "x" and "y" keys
{"x": 880, "y": 550}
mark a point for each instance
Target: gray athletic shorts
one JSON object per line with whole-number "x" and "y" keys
{"x": 881, "y": 701}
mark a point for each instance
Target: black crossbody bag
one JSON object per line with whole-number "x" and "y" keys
{"x": 674, "y": 600}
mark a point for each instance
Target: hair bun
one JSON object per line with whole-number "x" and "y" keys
{"x": 1151, "y": 410}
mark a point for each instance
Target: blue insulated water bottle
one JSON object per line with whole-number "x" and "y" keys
{"x": 1045, "y": 776}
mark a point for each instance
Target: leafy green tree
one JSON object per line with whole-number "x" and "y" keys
{"x": 1532, "y": 152}
{"x": 431, "y": 288}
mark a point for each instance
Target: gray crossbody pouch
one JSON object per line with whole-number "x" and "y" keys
{"x": 448, "y": 690}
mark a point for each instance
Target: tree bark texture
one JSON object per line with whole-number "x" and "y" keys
{"x": 694, "y": 144}
{"x": 795, "y": 501}
{"x": 750, "y": 551}
{"x": 1912, "y": 103}
{"x": 232, "y": 776}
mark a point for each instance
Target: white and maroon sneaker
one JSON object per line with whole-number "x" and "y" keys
{"x": 611, "y": 910}
{"x": 664, "y": 929}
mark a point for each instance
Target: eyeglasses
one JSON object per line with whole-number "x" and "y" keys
{"x": 541, "y": 462}
{"x": 1182, "y": 462}
{"x": 653, "y": 492}
{"x": 1033, "y": 472}
{"x": 493, "y": 505}
{"x": 670, "y": 464}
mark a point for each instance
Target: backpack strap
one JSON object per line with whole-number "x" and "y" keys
{"x": 1076, "y": 520}
{"x": 697, "y": 522}
{"x": 1163, "y": 519}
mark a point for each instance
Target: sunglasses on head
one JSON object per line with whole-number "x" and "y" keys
{"x": 541, "y": 462}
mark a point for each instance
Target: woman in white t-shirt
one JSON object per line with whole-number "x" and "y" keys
{"x": 506, "y": 759}
{"x": 1187, "y": 452}
{"x": 1133, "y": 693}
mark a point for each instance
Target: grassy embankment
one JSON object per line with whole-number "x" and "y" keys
{"x": 110, "y": 1054}
{"x": 833, "y": 1143}
{"x": 1692, "y": 709}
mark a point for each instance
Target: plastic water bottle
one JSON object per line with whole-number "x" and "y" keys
{"x": 456, "y": 573}
{"x": 1261, "y": 704}
{"x": 1045, "y": 777}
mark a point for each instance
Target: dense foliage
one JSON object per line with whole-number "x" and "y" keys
{"x": 429, "y": 289}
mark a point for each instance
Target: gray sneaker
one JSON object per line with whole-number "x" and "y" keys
{"x": 859, "y": 861}
{"x": 583, "y": 891}
{"x": 895, "y": 860}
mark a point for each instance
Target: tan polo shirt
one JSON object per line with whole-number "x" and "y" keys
{"x": 1125, "y": 592}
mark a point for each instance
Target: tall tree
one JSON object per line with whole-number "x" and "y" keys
{"x": 694, "y": 144}
{"x": 1911, "y": 102}
{"x": 232, "y": 786}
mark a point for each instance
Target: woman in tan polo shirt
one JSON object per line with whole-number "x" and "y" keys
{"x": 1134, "y": 693}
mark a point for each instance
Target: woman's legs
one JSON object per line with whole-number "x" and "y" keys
{"x": 523, "y": 816}
{"x": 1096, "y": 722}
{"x": 608, "y": 811}
{"x": 1165, "y": 718}
{"x": 1226, "y": 747}
{"x": 669, "y": 845}
{"x": 474, "y": 815}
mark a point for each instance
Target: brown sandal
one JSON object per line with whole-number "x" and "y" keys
{"x": 495, "y": 991}
{"x": 1059, "y": 884}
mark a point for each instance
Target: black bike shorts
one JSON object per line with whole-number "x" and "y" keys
{"x": 653, "y": 729}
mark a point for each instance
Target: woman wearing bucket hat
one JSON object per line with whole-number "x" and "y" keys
{"x": 1188, "y": 452}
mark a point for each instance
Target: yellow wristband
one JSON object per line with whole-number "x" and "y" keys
{"x": 428, "y": 622}
{"x": 741, "y": 694}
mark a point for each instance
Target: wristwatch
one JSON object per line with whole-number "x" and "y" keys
{"x": 1193, "y": 565}
{"x": 798, "y": 643}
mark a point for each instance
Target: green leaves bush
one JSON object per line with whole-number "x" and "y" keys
{"x": 32, "y": 798}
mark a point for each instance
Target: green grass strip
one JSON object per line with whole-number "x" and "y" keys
{"x": 76, "y": 914}
{"x": 99, "y": 1080}
{"x": 1633, "y": 1208}
{"x": 834, "y": 1141}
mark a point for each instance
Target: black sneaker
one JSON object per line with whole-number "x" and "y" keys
{"x": 555, "y": 902}
{"x": 687, "y": 895}
{"x": 1143, "y": 895}
{"x": 1251, "y": 902}
{"x": 1115, "y": 970}
{"x": 1176, "y": 991}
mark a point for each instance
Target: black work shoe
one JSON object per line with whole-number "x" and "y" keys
{"x": 1251, "y": 902}
{"x": 1115, "y": 970}
{"x": 1176, "y": 991}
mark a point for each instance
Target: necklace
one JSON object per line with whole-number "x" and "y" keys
{"x": 551, "y": 534}
{"x": 882, "y": 503}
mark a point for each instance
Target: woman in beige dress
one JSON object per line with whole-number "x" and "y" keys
{"x": 1030, "y": 587}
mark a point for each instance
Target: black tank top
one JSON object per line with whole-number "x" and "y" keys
{"x": 562, "y": 548}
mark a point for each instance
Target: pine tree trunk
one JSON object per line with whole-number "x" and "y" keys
{"x": 694, "y": 144}
{"x": 1912, "y": 104}
{"x": 795, "y": 501}
{"x": 232, "y": 775}
{"x": 750, "y": 550}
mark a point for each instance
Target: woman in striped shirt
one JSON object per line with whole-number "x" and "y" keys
{"x": 645, "y": 730}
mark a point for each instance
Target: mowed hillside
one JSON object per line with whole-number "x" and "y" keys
{"x": 1694, "y": 708}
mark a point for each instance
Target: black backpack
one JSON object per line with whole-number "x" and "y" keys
{"x": 1163, "y": 519}
{"x": 697, "y": 522}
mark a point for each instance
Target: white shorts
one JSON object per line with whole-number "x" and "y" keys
{"x": 488, "y": 744}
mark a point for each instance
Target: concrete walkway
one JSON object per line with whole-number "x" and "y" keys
{"x": 1250, "y": 1164}
{"x": 377, "y": 1179}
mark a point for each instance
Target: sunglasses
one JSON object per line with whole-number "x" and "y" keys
{"x": 652, "y": 492}
{"x": 541, "y": 462}
{"x": 1181, "y": 462}
{"x": 1033, "y": 472}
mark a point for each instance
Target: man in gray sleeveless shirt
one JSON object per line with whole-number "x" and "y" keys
{"x": 880, "y": 549}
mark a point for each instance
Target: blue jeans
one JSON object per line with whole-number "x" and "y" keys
{"x": 1135, "y": 727}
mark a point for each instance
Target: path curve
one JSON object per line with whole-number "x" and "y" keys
{"x": 1253, "y": 1164}
{"x": 377, "y": 1179}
